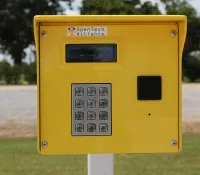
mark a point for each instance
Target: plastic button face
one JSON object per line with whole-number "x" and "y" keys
{"x": 91, "y": 91}
{"x": 103, "y": 91}
{"x": 79, "y": 91}
{"x": 91, "y": 103}
{"x": 103, "y": 115}
{"x": 79, "y": 103}
{"x": 79, "y": 127}
{"x": 103, "y": 103}
{"x": 79, "y": 115}
{"x": 91, "y": 115}
{"x": 103, "y": 127}
{"x": 91, "y": 127}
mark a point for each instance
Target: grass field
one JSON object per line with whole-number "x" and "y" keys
{"x": 19, "y": 157}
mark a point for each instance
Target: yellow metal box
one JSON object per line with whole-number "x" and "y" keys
{"x": 109, "y": 84}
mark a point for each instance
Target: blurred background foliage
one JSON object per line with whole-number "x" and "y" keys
{"x": 16, "y": 31}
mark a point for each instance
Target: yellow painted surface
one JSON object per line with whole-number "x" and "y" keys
{"x": 145, "y": 47}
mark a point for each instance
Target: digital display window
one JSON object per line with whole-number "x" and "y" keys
{"x": 91, "y": 53}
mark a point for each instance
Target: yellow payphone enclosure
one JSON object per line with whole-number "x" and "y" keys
{"x": 109, "y": 84}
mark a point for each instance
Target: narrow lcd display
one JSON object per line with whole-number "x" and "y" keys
{"x": 91, "y": 53}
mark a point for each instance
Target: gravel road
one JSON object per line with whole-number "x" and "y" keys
{"x": 18, "y": 103}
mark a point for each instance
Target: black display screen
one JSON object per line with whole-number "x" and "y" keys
{"x": 91, "y": 52}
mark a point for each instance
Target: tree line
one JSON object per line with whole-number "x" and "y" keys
{"x": 16, "y": 30}
{"x": 22, "y": 74}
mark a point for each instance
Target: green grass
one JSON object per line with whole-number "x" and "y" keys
{"x": 19, "y": 157}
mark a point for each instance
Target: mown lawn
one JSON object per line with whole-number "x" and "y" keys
{"x": 19, "y": 157}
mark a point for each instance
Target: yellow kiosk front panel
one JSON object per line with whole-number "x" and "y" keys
{"x": 109, "y": 84}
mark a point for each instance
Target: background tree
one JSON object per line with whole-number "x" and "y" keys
{"x": 5, "y": 72}
{"x": 16, "y": 29}
{"x": 114, "y": 7}
{"x": 30, "y": 72}
{"x": 17, "y": 74}
{"x": 16, "y": 26}
{"x": 191, "y": 64}
{"x": 193, "y": 68}
{"x": 173, "y": 7}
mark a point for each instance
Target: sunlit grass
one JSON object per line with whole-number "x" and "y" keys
{"x": 19, "y": 157}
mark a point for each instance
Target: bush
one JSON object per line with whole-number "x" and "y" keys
{"x": 5, "y": 72}
{"x": 31, "y": 74}
{"x": 193, "y": 68}
{"x": 17, "y": 74}
{"x": 26, "y": 73}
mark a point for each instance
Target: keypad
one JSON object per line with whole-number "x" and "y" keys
{"x": 91, "y": 109}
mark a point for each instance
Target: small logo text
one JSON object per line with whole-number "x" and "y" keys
{"x": 87, "y": 31}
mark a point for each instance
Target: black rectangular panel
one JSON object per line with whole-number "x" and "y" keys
{"x": 149, "y": 87}
{"x": 91, "y": 53}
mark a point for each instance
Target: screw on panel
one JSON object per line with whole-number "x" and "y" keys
{"x": 44, "y": 144}
{"x": 43, "y": 33}
{"x": 173, "y": 33}
{"x": 174, "y": 142}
